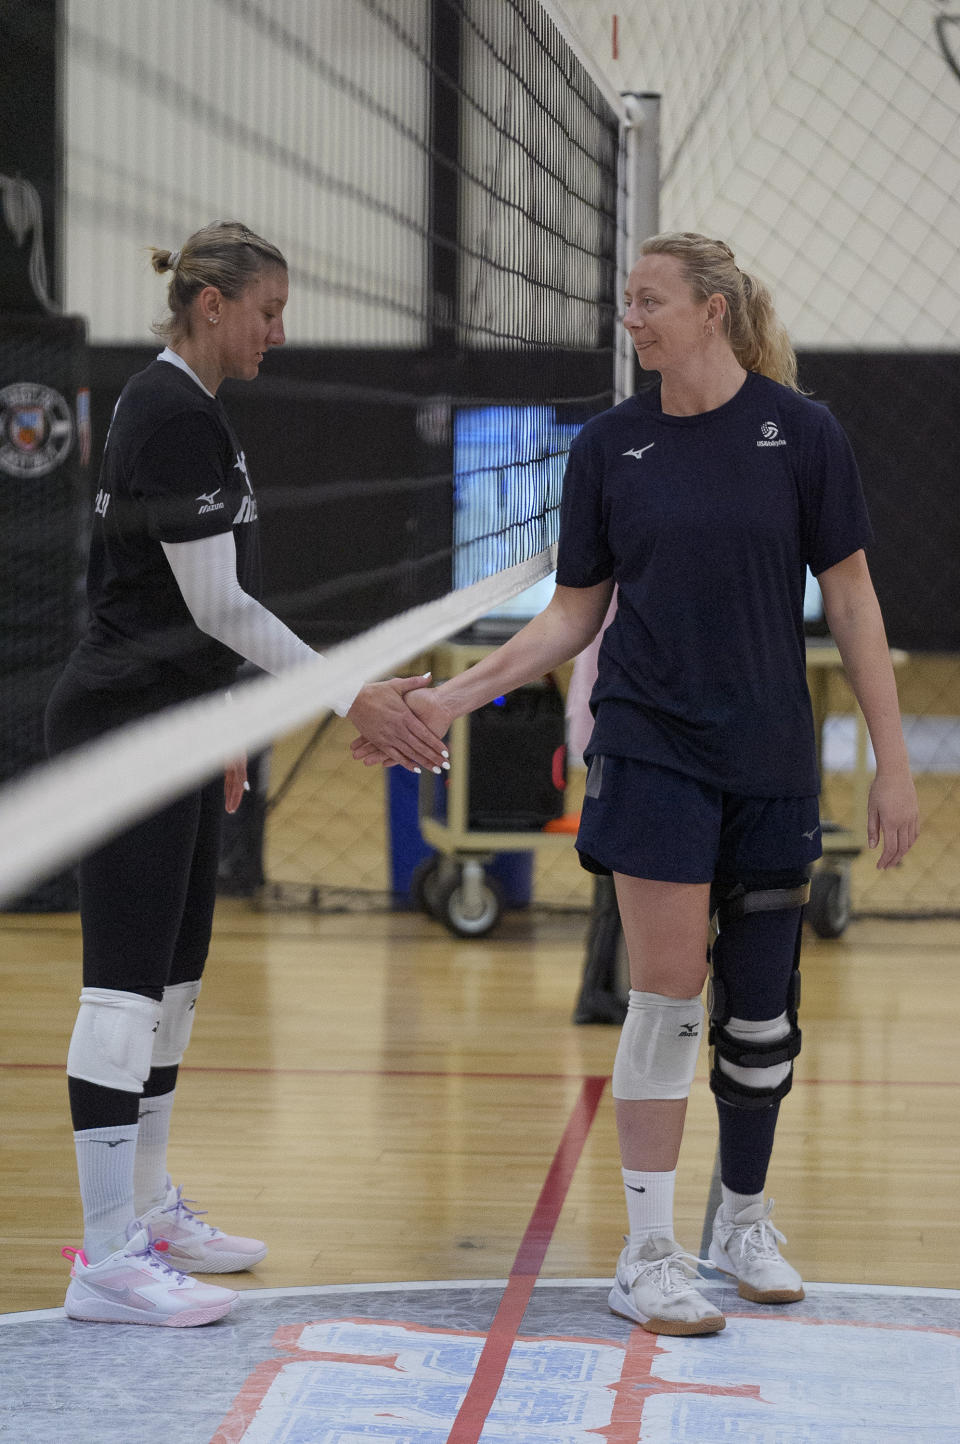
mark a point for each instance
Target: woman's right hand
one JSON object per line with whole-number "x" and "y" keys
{"x": 426, "y": 704}
{"x": 391, "y": 732}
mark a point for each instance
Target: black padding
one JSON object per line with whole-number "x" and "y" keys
{"x": 747, "y": 1054}
{"x": 761, "y": 900}
{"x": 739, "y": 1096}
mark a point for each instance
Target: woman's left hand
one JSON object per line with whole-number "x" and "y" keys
{"x": 234, "y": 784}
{"x": 893, "y": 813}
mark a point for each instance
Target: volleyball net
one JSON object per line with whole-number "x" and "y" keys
{"x": 443, "y": 178}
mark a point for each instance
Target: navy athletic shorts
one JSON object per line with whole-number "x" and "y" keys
{"x": 649, "y": 821}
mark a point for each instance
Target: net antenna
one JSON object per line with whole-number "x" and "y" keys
{"x": 639, "y": 207}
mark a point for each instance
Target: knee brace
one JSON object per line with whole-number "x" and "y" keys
{"x": 659, "y": 1042}
{"x": 112, "y": 1039}
{"x": 176, "y": 1023}
{"x": 752, "y": 1061}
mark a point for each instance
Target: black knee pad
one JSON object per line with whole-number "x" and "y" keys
{"x": 775, "y": 901}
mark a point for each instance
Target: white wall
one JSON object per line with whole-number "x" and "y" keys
{"x": 179, "y": 112}
{"x": 821, "y": 138}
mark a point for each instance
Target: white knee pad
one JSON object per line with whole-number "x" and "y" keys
{"x": 112, "y": 1039}
{"x": 659, "y": 1042}
{"x": 773, "y": 1030}
{"x": 176, "y": 1023}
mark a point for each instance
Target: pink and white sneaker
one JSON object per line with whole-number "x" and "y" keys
{"x": 136, "y": 1286}
{"x": 197, "y": 1247}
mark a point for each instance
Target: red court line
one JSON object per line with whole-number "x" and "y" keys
{"x": 519, "y": 1077}
{"x": 488, "y": 1375}
{"x": 335, "y": 1072}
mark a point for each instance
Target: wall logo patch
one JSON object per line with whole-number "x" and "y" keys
{"x": 770, "y": 432}
{"x": 36, "y": 429}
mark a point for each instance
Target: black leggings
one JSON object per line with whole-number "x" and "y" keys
{"x": 146, "y": 896}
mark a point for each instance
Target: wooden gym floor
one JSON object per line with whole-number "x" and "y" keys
{"x": 381, "y": 1101}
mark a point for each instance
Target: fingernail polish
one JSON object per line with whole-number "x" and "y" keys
{"x": 446, "y": 767}
{"x": 445, "y": 752}
{"x": 436, "y": 770}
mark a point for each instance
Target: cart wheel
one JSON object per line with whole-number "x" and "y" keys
{"x": 470, "y": 904}
{"x": 424, "y": 882}
{"x": 829, "y": 907}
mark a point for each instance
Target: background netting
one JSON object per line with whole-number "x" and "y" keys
{"x": 820, "y": 137}
{"x": 443, "y": 178}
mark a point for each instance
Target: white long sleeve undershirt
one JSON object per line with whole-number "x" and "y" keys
{"x": 206, "y": 573}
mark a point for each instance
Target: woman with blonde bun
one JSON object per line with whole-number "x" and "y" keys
{"x": 172, "y": 587}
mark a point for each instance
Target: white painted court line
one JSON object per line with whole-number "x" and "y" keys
{"x": 424, "y": 1286}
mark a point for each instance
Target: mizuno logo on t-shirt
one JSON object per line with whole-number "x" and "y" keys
{"x": 638, "y": 451}
{"x": 209, "y": 504}
{"x": 241, "y": 465}
{"x": 247, "y": 512}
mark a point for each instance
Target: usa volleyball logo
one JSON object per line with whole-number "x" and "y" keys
{"x": 770, "y": 432}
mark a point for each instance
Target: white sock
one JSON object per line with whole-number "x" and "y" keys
{"x": 150, "y": 1180}
{"x": 105, "y": 1165}
{"x": 734, "y": 1203}
{"x": 649, "y": 1202}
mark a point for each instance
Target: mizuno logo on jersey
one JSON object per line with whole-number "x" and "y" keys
{"x": 241, "y": 465}
{"x": 770, "y": 432}
{"x": 247, "y": 512}
{"x": 209, "y": 504}
{"x": 639, "y": 450}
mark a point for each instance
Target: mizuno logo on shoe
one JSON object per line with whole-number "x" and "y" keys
{"x": 638, "y": 451}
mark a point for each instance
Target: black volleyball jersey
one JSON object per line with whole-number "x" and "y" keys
{"x": 172, "y": 471}
{"x": 707, "y": 524}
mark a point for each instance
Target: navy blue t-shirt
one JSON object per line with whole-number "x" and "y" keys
{"x": 172, "y": 471}
{"x": 707, "y": 524}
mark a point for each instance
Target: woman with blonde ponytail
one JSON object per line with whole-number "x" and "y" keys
{"x": 704, "y": 498}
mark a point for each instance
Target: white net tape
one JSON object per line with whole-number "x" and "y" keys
{"x": 59, "y": 811}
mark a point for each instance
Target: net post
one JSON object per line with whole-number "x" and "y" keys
{"x": 639, "y": 203}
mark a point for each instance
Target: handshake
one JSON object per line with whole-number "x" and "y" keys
{"x": 401, "y": 722}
